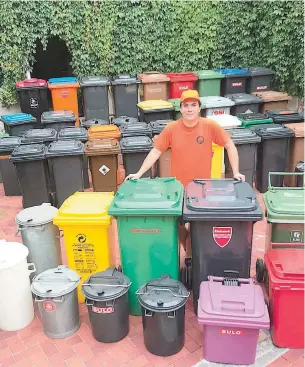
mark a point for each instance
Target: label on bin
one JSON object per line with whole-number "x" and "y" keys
{"x": 296, "y": 236}
{"x": 222, "y": 235}
{"x": 102, "y": 309}
{"x": 218, "y": 112}
{"x": 234, "y": 332}
{"x": 249, "y": 111}
{"x": 183, "y": 87}
{"x": 34, "y": 102}
{"x": 49, "y": 306}
{"x": 64, "y": 93}
{"x": 104, "y": 170}
{"x": 84, "y": 255}
{"x": 237, "y": 84}
{"x": 262, "y": 87}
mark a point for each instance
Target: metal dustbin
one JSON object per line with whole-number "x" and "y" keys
{"x": 32, "y": 172}
{"x": 246, "y": 142}
{"x": 250, "y": 119}
{"x": 208, "y": 83}
{"x": 176, "y": 103}
{"x": 118, "y": 121}
{"x": 285, "y": 116}
{"x": 153, "y": 86}
{"x": 39, "y": 136}
{"x": 244, "y": 103}
{"x": 106, "y": 295}
{"x": 94, "y": 122}
{"x": 300, "y": 167}
{"x": 58, "y": 119}
{"x": 234, "y": 80}
{"x": 103, "y": 162}
{"x": 260, "y": 79}
{"x": 8, "y": 170}
{"x": 17, "y": 123}
{"x": 40, "y": 236}
{"x": 221, "y": 213}
{"x": 66, "y": 157}
{"x": 95, "y": 97}
{"x": 136, "y": 129}
{"x": 215, "y": 105}
{"x": 155, "y": 110}
{"x": 55, "y": 293}
{"x": 135, "y": 149}
{"x": 273, "y": 100}
{"x": 162, "y": 303}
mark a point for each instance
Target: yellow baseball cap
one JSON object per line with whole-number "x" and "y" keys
{"x": 189, "y": 94}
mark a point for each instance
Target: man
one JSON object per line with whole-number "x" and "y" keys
{"x": 190, "y": 139}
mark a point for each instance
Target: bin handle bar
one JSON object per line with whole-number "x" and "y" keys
{"x": 34, "y": 268}
{"x": 109, "y": 285}
{"x": 46, "y": 299}
{"x": 162, "y": 289}
{"x": 285, "y": 174}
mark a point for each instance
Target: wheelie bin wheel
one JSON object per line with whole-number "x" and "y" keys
{"x": 260, "y": 270}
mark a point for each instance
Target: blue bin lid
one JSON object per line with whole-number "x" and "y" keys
{"x": 65, "y": 80}
{"x": 233, "y": 72}
{"x": 17, "y": 118}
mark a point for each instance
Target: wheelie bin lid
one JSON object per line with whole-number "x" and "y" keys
{"x": 230, "y": 73}
{"x": 163, "y": 294}
{"x": 243, "y": 98}
{"x": 159, "y": 196}
{"x": 297, "y": 128}
{"x": 102, "y": 147}
{"x": 285, "y": 116}
{"x": 55, "y": 282}
{"x": 49, "y": 117}
{"x": 158, "y": 125}
{"x": 12, "y": 253}
{"x": 73, "y": 132}
{"x": 216, "y": 101}
{"x": 226, "y": 121}
{"x": 3, "y": 134}
{"x": 135, "y": 144}
{"x": 118, "y": 121}
{"x": 272, "y": 131}
{"x": 243, "y": 136}
{"x": 272, "y": 96}
{"x": 208, "y": 74}
{"x": 15, "y": 119}
{"x": 153, "y": 77}
{"x": 124, "y": 80}
{"x": 249, "y": 119}
{"x": 36, "y": 215}
{"x": 259, "y": 71}
{"x": 94, "y": 122}
{"x": 85, "y": 208}
{"x": 104, "y": 132}
{"x": 187, "y": 76}
{"x": 176, "y": 103}
{"x": 220, "y": 199}
{"x": 220, "y": 291}
{"x": 9, "y": 143}
{"x": 62, "y": 148}
{"x": 300, "y": 166}
{"x": 65, "y": 80}
{"x": 31, "y": 83}
{"x": 30, "y": 152}
{"x": 95, "y": 81}
{"x": 135, "y": 129}
{"x": 106, "y": 285}
{"x": 155, "y": 106}
{"x": 37, "y": 136}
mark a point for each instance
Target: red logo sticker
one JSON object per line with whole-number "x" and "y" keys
{"x": 218, "y": 112}
{"x": 49, "y": 306}
{"x": 145, "y": 230}
{"x": 102, "y": 309}
{"x": 239, "y": 84}
{"x": 222, "y": 235}
{"x": 262, "y": 87}
{"x": 233, "y": 332}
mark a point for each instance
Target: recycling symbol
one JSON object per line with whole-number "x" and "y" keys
{"x": 81, "y": 238}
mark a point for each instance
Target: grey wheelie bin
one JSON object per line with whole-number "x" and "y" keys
{"x": 7, "y": 168}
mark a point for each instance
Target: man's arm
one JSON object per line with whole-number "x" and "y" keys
{"x": 234, "y": 160}
{"x": 151, "y": 158}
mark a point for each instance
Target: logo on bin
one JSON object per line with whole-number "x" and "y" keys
{"x": 64, "y": 93}
{"x": 231, "y": 332}
{"x": 49, "y": 306}
{"x": 34, "y": 103}
{"x": 81, "y": 238}
{"x": 262, "y": 87}
{"x": 296, "y": 236}
{"x": 222, "y": 235}
{"x": 145, "y": 230}
{"x": 237, "y": 84}
{"x": 104, "y": 170}
{"x": 218, "y": 112}
{"x": 102, "y": 309}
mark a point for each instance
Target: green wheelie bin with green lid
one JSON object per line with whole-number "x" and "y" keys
{"x": 208, "y": 83}
{"x": 147, "y": 211}
{"x": 250, "y": 119}
{"x": 285, "y": 214}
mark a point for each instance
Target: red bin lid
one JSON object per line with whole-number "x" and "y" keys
{"x": 33, "y": 82}
{"x": 182, "y": 77}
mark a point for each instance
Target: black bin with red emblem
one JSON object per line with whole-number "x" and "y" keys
{"x": 221, "y": 213}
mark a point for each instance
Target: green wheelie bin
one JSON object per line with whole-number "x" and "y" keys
{"x": 147, "y": 211}
{"x": 285, "y": 214}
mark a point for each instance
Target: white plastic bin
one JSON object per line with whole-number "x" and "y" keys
{"x": 215, "y": 105}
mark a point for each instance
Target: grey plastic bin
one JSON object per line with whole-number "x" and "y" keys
{"x": 8, "y": 171}
{"x": 125, "y": 95}
{"x": 244, "y": 103}
{"x": 58, "y": 119}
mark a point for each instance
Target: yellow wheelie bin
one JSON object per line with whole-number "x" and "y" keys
{"x": 86, "y": 225}
{"x": 217, "y": 161}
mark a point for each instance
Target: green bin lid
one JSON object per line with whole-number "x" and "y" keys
{"x": 3, "y": 134}
{"x": 159, "y": 196}
{"x": 249, "y": 119}
{"x": 208, "y": 74}
{"x": 176, "y": 103}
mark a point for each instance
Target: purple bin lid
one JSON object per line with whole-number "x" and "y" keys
{"x": 241, "y": 305}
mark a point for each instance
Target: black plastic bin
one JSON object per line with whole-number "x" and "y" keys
{"x": 106, "y": 295}
{"x": 221, "y": 213}
{"x": 118, "y": 121}
{"x": 158, "y": 126}
{"x": 246, "y": 142}
{"x": 135, "y": 150}
{"x": 244, "y": 103}
{"x": 39, "y": 136}
{"x": 260, "y": 79}
{"x": 135, "y": 129}
{"x": 16, "y": 124}
{"x": 155, "y": 110}
{"x": 33, "y": 97}
{"x": 300, "y": 168}
{"x": 95, "y": 97}
{"x": 66, "y": 157}
{"x": 272, "y": 153}
{"x": 162, "y": 303}
{"x": 94, "y": 122}
{"x": 285, "y": 116}
{"x": 125, "y": 95}
{"x": 7, "y": 168}
{"x": 234, "y": 80}
{"x": 77, "y": 133}
{"x": 32, "y": 171}
{"x": 58, "y": 119}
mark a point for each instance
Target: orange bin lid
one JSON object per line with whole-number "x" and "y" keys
{"x": 104, "y": 132}
{"x": 272, "y": 96}
{"x": 297, "y": 128}
{"x": 153, "y": 77}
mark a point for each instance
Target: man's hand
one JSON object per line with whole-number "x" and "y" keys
{"x": 239, "y": 177}
{"x": 133, "y": 176}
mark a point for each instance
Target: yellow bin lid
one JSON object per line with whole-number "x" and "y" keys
{"x": 153, "y": 104}
{"x": 85, "y": 208}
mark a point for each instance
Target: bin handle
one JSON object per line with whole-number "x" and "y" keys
{"x": 285, "y": 174}
{"x": 60, "y": 300}
{"x": 109, "y": 285}
{"x": 89, "y": 302}
{"x": 162, "y": 289}
{"x": 61, "y": 233}
{"x": 31, "y": 270}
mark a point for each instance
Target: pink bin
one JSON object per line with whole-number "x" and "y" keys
{"x": 232, "y": 312}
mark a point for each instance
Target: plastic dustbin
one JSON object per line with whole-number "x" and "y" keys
{"x": 209, "y": 83}
{"x": 85, "y": 222}
{"x": 260, "y": 79}
{"x": 221, "y": 214}
{"x": 56, "y": 295}
{"x": 273, "y": 100}
{"x": 227, "y": 121}
{"x": 285, "y": 116}
{"x": 154, "y": 86}
{"x": 118, "y": 121}
{"x": 232, "y": 311}
{"x": 176, "y": 103}
{"x": 136, "y": 129}
{"x": 244, "y": 103}
{"x": 155, "y": 110}
{"x": 157, "y": 126}
{"x": 58, "y": 119}
{"x": 163, "y": 302}
{"x": 125, "y": 95}
{"x": 64, "y": 94}
{"x": 250, "y": 119}
{"x": 32, "y": 172}
{"x": 33, "y": 96}
{"x": 180, "y": 82}
{"x": 246, "y": 142}
{"x": 135, "y": 149}
{"x": 66, "y": 157}
{"x": 39, "y": 136}
{"x": 300, "y": 168}
{"x": 8, "y": 171}
{"x": 3, "y": 134}
{"x": 234, "y": 80}
{"x": 285, "y": 213}
{"x": 272, "y": 153}
{"x": 94, "y": 122}
{"x": 17, "y": 123}
{"x": 106, "y": 295}
{"x": 103, "y": 161}
{"x": 215, "y": 105}
{"x": 147, "y": 212}
{"x": 40, "y": 236}
{"x": 104, "y": 132}
{"x": 95, "y": 97}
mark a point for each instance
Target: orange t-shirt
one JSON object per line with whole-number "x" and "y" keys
{"x": 191, "y": 147}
